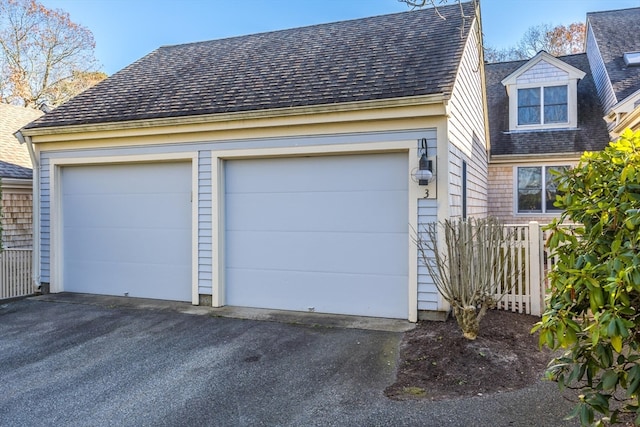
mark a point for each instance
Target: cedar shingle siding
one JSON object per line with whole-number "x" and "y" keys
{"x": 15, "y": 166}
{"x": 17, "y": 220}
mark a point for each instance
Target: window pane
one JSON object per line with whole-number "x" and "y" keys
{"x": 530, "y": 189}
{"x": 529, "y": 106}
{"x": 551, "y": 189}
{"x": 529, "y": 97}
{"x": 555, "y": 104}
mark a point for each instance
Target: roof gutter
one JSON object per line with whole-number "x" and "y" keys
{"x": 17, "y": 183}
{"x": 497, "y": 159}
{"x": 630, "y": 120}
{"x": 35, "y": 271}
{"x": 341, "y": 107}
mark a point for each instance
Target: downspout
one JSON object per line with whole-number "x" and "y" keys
{"x": 36, "y": 208}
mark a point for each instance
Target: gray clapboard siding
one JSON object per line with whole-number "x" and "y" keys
{"x": 466, "y": 133}
{"x": 427, "y": 292}
{"x": 204, "y": 223}
{"x": 45, "y": 219}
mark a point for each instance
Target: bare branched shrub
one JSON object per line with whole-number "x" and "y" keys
{"x": 466, "y": 269}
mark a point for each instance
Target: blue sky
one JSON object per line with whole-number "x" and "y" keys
{"x": 126, "y": 30}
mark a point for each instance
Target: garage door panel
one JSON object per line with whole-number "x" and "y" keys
{"x": 324, "y": 292}
{"x": 134, "y": 280}
{"x": 98, "y": 244}
{"x": 322, "y": 252}
{"x": 125, "y": 179}
{"x": 127, "y": 210}
{"x": 127, "y": 228}
{"x": 327, "y": 232}
{"x": 319, "y": 211}
{"x": 315, "y": 174}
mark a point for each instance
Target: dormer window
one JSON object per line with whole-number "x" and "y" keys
{"x": 543, "y": 105}
{"x": 543, "y": 94}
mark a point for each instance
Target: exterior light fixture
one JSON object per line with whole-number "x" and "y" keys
{"x": 424, "y": 174}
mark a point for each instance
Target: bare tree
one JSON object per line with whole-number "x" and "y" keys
{"x": 467, "y": 260}
{"x": 417, "y": 4}
{"x": 44, "y": 56}
{"x": 492, "y": 54}
{"x": 557, "y": 41}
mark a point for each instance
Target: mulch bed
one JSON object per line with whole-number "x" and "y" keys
{"x": 437, "y": 362}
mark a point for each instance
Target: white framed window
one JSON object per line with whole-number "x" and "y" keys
{"x": 543, "y": 105}
{"x": 543, "y": 94}
{"x": 536, "y": 189}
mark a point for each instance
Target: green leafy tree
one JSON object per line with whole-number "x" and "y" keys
{"x": 594, "y": 302}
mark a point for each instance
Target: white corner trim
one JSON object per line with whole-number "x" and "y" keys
{"x": 414, "y": 194}
{"x": 218, "y": 237}
{"x": 195, "y": 210}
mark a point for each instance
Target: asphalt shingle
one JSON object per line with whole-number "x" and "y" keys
{"x": 383, "y": 57}
{"x": 14, "y": 157}
{"x": 617, "y": 32}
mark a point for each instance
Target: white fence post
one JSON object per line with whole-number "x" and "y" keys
{"x": 536, "y": 263}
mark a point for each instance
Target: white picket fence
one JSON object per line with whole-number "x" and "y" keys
{"x": 525, "y": 282}
{"x": 15, "y": 273}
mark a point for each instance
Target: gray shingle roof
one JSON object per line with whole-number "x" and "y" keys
{"x": 390, "y": 56}
{"x": 591, "y": 134}
{"x": 14, "y": 157}
{"x": 617, "y": 32}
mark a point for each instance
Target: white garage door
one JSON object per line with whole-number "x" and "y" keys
{"x": 323, "y": 234}
{"x": 127, "y": 230}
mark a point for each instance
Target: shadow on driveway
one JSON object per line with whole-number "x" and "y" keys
{"x": 90, "y": 364}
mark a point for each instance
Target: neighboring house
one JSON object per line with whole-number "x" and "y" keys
{"x": 272, "y": 170}
{"x": 16, "y": 174}
{"x": 543, "y": 114}
{"x": 613, "y": 48}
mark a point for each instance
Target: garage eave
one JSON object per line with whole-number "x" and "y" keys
{"x": 433, "y": 104}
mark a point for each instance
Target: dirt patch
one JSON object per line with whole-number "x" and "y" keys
{"x": 437, "y": 362}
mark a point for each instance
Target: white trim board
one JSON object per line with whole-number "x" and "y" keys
{"x": 219, "y": 243}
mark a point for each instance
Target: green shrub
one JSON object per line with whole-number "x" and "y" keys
{"x": 592, "y": 309}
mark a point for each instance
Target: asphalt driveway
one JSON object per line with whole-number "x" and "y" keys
{"x": 92, "y": 365}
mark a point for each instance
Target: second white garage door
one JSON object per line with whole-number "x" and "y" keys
{"x": 324, "y": 234}
{"x": 127, "y": 230}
